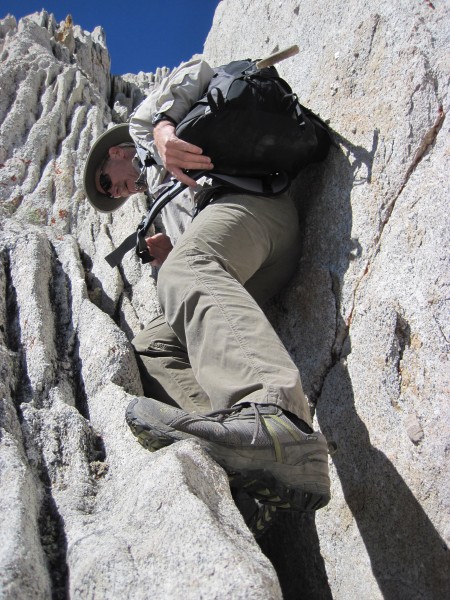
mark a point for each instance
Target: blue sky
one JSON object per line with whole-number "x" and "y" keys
{"x": 140, "y": 35}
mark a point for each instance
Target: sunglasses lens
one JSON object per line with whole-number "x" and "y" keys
{"x": 105, "y": 183}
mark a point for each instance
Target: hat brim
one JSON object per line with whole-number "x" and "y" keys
{"x": 119, "y": 134}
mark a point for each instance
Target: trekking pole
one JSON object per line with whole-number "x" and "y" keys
{"x": 278, "y": 57}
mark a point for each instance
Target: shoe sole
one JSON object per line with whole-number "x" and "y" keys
{"x": 260, "y": 524}
{"x": 258, "y": 516}
{"x": 274, "y": 483}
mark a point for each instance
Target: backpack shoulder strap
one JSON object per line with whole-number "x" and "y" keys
{"x": 251, "y": 185}
{"x": 137, "y": 239}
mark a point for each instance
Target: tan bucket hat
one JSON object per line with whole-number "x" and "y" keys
{"x": 119, "y": 134}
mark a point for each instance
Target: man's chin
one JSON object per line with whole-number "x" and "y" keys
{"x": 131, "y": 189}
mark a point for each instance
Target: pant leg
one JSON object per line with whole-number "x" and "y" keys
{"x": 234, "y": 352}
{"x": 166, "y": 373}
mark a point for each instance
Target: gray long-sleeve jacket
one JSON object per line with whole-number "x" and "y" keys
{"x": 175, "y": 97}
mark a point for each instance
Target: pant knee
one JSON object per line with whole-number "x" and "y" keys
{"x": 140, "y": 342}
{"x": 157, "y": 335}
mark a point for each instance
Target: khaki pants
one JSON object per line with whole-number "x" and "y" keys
{"x": 214, "y": 346}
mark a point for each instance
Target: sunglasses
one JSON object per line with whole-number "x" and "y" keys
{"x": 105, "y": 183}
{"x": 104, "y": 179}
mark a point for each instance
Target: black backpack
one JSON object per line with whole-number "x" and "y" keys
{"x": 251, "y": 124}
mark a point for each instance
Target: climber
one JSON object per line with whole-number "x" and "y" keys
{"x": 212, "y": 367}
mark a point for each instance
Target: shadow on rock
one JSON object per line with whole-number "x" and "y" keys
{"x": 322, "y": 195}
{"x": 292, "y": 545}
{"x": 409, "y": 559}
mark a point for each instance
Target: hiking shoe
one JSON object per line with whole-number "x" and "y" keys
{"x": 256, "y": 442}
{"x": 253, "y": 487}
{"x": 259, "y": 517}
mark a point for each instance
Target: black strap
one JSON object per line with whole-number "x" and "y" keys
{"x": 155, "y": 209}
{"x": 115, "y": 257}
{"x": 272, "y": 185}
{"x": 137, "y": 239}
{"x": 215, "y": 103}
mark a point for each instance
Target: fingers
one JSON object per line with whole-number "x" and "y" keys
{"x": 177, "y": 145}
{"x": 178, "y": 155}
{"x": 159, "y": 246}
{"x": 157, "y": 237}
{"x": 176, "y": 149}
{"x": 183, "y": 177}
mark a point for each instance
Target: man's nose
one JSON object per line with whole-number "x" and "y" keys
{"x": 117, "y": 190}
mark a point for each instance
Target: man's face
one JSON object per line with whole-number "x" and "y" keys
{"x": 117, "y": 176}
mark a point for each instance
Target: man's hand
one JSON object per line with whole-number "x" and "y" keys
{"x": 177, "y": 154}
{"x": 159, "y": 246}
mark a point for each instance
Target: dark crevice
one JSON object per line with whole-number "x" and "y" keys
{"x": 54, "y": 544}
{"x": 302, "y": 576}
{"x": 68, "y": 120}
{"x": 50, "y": 522}
{"x": 120, "y": 320}
{"x": 341, "y": 327}
{"x": 94, "y": 292}
{"x": 42, "y": 88}
{"x": 67, "y": 347}
{"x": 81, "y": 399}
{"x": 67, "y": 344}
{"x": 64, "y": 127}
{"x": 402, "y": 340}
{"x": 12, "y": 316}
{"x": 376, "y": 19}
{"x": 22, "y": 391}
{"x": 9, "y": 96}
{"x": 339, "y": 343}
{"x": 97, "y": 451}
{"x": 403, "y": 335}
{"x": 53, "y": 192}
{"x": 98, "y": 296}
{"x": 79, "y": 128}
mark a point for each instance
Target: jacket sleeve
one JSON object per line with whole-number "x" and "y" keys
{"x": 175, "y": 96}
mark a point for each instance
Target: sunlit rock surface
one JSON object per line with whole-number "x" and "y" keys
{"x": 84, "y": 509}
{"x": 366, "y": 318}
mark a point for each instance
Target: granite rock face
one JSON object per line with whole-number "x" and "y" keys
{"x": 367, "y": 316}
{"x": 85, "y": 511}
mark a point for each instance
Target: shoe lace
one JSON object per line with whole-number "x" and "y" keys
{"x": 236, "y": 409}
